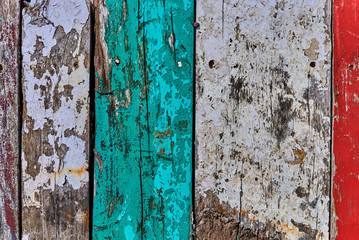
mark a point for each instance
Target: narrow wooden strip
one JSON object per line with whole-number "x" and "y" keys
{"x": 263, "y": 119}
{"x": 168, "y": 43}
{"x": 56, "y": 37}
{"x": 9, "y": 121}
{"x": 346, "y": 116}
{"x": 143, "y": 119}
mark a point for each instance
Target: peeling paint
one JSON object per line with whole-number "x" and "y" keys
{"x": 263, "y": 119}
{"x": 9, "y": 121}
{"x": 143, "y": 119}
{"x": 55, "y": 50}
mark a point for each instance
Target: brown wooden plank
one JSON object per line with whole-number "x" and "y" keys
{"x": 9, "y": 79}
{"x": 263, "y": 119}
{"x": 55, "y": 145}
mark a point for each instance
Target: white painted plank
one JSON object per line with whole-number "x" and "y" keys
{"x": 56, "y": 39}
{"x": 263, "y": 119}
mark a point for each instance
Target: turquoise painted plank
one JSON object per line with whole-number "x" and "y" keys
{"x": 144, "y": 71}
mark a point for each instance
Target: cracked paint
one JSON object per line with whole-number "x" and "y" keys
{"x": 55, "y": 119}
{"x": 263, "y": 119}
{"x": 143, "y": 119}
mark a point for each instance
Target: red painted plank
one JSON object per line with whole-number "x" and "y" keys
{"x": 9, "y": 38}
{"x": 346, "y": 118}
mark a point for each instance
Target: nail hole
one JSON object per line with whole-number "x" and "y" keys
{"x": 1, "y": 68}
{"x": 211, "y": 63}
{"x": 312, "y": 64}
{"x": 351, "y": 67}
{"x": 76, "y": 65}
{"x": 117, "y": 61}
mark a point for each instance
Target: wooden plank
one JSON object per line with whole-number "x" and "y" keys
{"x": 263, "y": 119}
{"x": 143, "y": 57}
{"x": 56, "y": 59}
{"x": 346, "y": 116}
{"x": 9, "y": 148}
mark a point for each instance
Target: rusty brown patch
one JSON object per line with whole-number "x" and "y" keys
{"x": 163, "y": 135}
{"x": 87, "y": 220}
{"x": 218, "y": 220}
{"x": 101, "y": 57}
{"x": 162, "y": 151}
{"x": 299, "y": 156}
{"x": 215, "y": 220}
{"x": 78, "y": 171}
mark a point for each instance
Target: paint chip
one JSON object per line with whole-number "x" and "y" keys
{"x": 356, "y": 98}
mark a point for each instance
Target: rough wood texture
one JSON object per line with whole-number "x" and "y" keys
{"x": 55, "y": 48}
{"x": 144, "y": 56}
{"x": 263, "y": 119}
{"x": 9, "y": 78}
{"x": 345, "y": 119}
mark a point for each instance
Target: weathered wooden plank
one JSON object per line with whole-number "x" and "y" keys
{"x": 143, "y": 119}
{"x": 346, "y": 116}
{"x": 56, "y": 59}
{"x": 9, "y": 79}
{"x": 263, "y": 119}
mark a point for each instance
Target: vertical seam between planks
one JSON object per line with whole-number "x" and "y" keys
{"x": 92, "y": 119}
{"x": 194, "y": 95}
{"x": 147, "y": 89}
{"x": 147, "y": 120}
{"x": 332, "y": 160}
{"x": 20, "y": 109}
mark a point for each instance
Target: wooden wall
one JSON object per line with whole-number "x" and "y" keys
{"x": 179, "y": 119}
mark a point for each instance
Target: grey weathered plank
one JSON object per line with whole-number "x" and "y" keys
{"x": 55, "y": 141}
{"x": 263, "y": 119}
{"x": 9, "y": 79}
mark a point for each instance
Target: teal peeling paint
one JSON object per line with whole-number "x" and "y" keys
{"x": 144, "y": 129}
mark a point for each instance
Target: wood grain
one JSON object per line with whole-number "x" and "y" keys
{"x": 144, "y": 54}
{"x": 9, "y": 118}
{"x": 346, "y": 115}
{"x": 263, "y": 119}
{"x": 56, "y": 59}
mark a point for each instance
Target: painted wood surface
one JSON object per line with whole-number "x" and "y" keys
{"x": 143, "y": 58}
{"x": 346, "y": 116}
{"x": 263, "y": 119}
{"x": 56, "y": 59}
{"x": 9, "y": 120}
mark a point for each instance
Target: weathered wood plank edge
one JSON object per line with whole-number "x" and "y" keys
{"x": 332, "y": 225}
{"x": 92, "y": 119}
{"x": 9, "y": 137}
{"x": 196, "y": 25}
